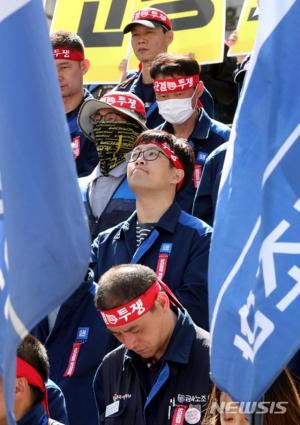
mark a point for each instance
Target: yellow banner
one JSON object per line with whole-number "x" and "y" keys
{"x": 198, "y": 28}
{"x": 246, "y": 29}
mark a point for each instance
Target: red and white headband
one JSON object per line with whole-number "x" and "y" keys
{"x": 152, "y": 14}
{"x": 125, "y": 101}
{"x": 172, "y": 85}
{"x": 25, "y": 370}
{"x": 172, "y": 157}
{"x": 169, "y": 153}
{"x": 68, "y": 54}
{"x": 133, "y": 310}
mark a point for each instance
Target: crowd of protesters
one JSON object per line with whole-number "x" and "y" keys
{"x": 131, "y": 344}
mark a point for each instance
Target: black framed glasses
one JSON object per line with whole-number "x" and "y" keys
{"x": 109, "y": 117}
{"x": 150, "y": 154}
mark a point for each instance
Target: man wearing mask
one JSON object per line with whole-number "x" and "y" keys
{"x": 112, "y": 124}
{"x": 151, "y": 34}
{"x": 178, "y": 94}
{"x": 71, "y": 65}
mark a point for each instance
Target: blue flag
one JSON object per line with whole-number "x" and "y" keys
{"x": 44, "y": 242}
{"x": 254, "y": 271}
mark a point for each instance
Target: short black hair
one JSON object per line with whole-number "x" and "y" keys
{"x": 32, "y": 351}
{"x": 68, "y": 39}
{"x": 171, "y": 64}
{"x": 121, "y": 284}
{"x": 181, "y": 148}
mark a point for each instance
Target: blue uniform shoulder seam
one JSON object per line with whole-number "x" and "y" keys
{"x": 194, "y": 223}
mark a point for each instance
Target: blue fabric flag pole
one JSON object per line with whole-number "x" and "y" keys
{"x": 44, "y": 242}
{"x": 254, "y": 271}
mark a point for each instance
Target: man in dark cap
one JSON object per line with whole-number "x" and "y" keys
{"x": 151, "y": 34}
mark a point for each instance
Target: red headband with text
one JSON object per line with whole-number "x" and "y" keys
{"x": 152, "y": 14}
{"x": 25, "y": 370}
{"x": 172, "y": 157}
{"x": 172, "y": 85}
{"x": 125, "y": 101}
{"x": 68, "y": 54}
{"x": 169, "y": 153}
{"x": 133, "y": 310}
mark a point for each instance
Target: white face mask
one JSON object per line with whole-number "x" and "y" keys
{"x": 176, "y": 111}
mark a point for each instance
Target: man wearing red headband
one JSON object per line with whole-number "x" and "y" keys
{"x": 71, "y": 65}
{"x": 31, "y": 400}
{"x": 151, "y": 34}
{"x": 177, "y": 88}
{"x": 160, "y": 373}
{"x": 159, "y": 234}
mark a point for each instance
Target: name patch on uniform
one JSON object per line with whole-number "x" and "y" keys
{"x": 201, "y": 157}
{"x": 179, "y": 415}
{"x": 197, "y": 175}
{"x": 121, "y": 396}
{"x": 166, "y": 248}
{"x": 182, "y": 398}
{"x": 164, "y": 252}
{"x": 112, "y": 408}
{"x": 82, "y": 334}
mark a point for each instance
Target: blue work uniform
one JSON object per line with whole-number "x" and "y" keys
{"x": 127, "y": 390}
{"x": 76, "y": 346}
{"x": 37, "y": 416}
{"x": 207, "y": 135}
{"x": 207, "y": 192}
{"x": 56, "y": 403}
{"x": 177, "y": 248}
{"x": 84, "y": 150}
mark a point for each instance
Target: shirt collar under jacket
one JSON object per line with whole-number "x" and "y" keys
{"x": 36, "y": 415}
{"x": 167, "y": 222}
{"x": 181, "y": 342}
{"x": 74, "y": 112}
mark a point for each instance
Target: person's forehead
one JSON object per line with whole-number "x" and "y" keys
{"x": 65, "y": 62}
{"x": 145, "y": 146}
{"x": 170, "y": 76}
{"x": 140, "y": 27}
